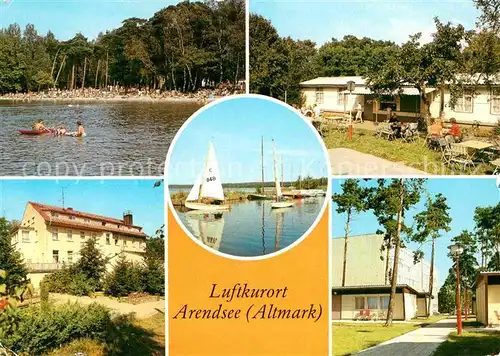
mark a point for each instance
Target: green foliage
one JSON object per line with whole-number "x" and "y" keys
{"x": 353, "y": 197}
{"x": 124, "y": 279}
{"x": 311, "y": 183}
{"x": 179, "y": 48}
{"x": 40, "y": 330}
{"x": 153, "y": 276}
{"x": 446, "y": 299}
{"x": 44, "y": 293}
{"x": 82, "y": 278}
{"x": 11, "y": 260}
{"x": 91, "y": 264}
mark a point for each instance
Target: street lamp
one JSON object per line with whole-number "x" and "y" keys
{"x": 456, "y": 250}
{"x": 351, "y": 85}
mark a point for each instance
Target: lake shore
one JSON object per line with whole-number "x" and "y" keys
{"x": 119, "y": 94}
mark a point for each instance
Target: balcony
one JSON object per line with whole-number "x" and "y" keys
{"x": 46, "y": 267}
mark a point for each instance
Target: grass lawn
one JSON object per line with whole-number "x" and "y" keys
{"x": 352, "y": 338}
{"x": 141, "y": 337}
{"x": 432, "y": 319}
{"x": 480, "y": 343}
{"x": 412, "y": 154}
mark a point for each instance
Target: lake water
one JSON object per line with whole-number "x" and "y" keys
{"x": 253, "y": 228}
{"x": 123, "y": 138}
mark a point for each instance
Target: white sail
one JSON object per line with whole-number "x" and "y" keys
{"x": 195, "y": 190}
{"x": 211, "y": 186}
{"x": 276, "y": 179}
{"x": 194, "y": 223}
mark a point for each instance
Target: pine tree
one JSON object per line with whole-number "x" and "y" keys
{"x": 11, "y": 260}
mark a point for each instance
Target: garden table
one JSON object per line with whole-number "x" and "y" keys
{"x": 478, "y": 148}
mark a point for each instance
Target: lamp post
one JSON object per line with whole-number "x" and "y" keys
{"x": 456, "y": 250}
{"x": 465, "y": 281}
{"x": 351, "y": 85}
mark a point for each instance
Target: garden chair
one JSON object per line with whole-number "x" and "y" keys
{"x": 444, "y": 147}
{"x": 459, "y": 155}
{"x": 496, "y": 164}
{"x": 385, "y": 130}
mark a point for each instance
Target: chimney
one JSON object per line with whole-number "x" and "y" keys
{"x": 128, "y": 219}
{"x": 70, "y": 209}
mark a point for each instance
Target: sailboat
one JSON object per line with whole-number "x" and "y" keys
{"x": 208, "y": 186}
{"x": 261, "y": 196}
{"x": 280, "y": 202}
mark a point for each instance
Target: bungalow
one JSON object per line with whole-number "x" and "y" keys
{"x": 331, "y": 95}
{"x": 487, "y": 285}
{"x": 365, "y": 288}
{"x": 359, "y": 302}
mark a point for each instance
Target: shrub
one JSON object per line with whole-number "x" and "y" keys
{"x": 153, "y": 277}
{"x": 68, "y": 281}
{"x": 123, "y": 279}
{"x": 41, "y": 330}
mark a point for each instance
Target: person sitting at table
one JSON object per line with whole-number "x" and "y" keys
{"x": 395, "y": 125}
{"x": 436, "y": 129}
{"x": 454, "y": 133}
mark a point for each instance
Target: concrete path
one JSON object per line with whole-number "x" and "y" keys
{"x": 144, "y": 310}
{"x": 345, "y": 161}
{"x": 420, "y": 342}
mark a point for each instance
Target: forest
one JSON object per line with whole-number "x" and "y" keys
{"x": 455, "y": 56}
{"x": 183, "y": 47}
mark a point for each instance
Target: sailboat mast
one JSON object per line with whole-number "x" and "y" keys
{"x": 282, "y": 174}
{"x": 202, "y": 178}
{"x": 275, "y": 172}
{"x": 300, "y": 177}
{"x": 262, "y": 154}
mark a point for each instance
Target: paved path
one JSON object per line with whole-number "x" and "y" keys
{"x": 420, "y": 342}
{"x": 144, "y": 310}
{"x": 345, "y": 161}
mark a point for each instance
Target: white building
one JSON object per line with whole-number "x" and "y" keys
{"x": 331, "y": 95}
{"x": 365, "y": 283}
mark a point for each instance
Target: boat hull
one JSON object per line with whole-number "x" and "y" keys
{"x": 205, "y": 207}
{"x": 259, "y": 197}
{"x": 282, "y": 204}
{"x": 34, "y": 132}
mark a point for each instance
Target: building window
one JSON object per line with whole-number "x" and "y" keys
{"x": 103, "y": 223}
{"x": 116, "y": 241}
{"x": 70, "y": 235}
{"x": 55, "y": 256}
{"x": 108, "y": 241}
{"x": 495, "y": 102}
{"x": 55, "y": 235}
{"x": 124, "y": 242}
{"x": 372, "y": 302}
{"x": 25, "y": 237}
{"x": 70, "y": 256}
{"x": 388, "y": 101}
{"x": 320, "y": 96}
{"x": 54, "y": 214}
{"x": 71, "y": 217}
{"x": 86, "y": 220}
{"x": 384, "y": 302}
{"x": 82, "y": 234}
{"x": 341, "y": 97}
{"x": 359, "y": 302}
{"x": 464, "y": 103}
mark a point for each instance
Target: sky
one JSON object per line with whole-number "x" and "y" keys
{"x": 110, "y": 198}
{"x": 65, "y": 18}
{"x": 235, "y": 128}
{"x": 395, "y": 20}
{"x": 463, "y": 196}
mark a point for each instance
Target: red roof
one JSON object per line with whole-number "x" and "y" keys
{"x": 46, "y": 212}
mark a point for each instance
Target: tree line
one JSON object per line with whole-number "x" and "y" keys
{"x": 182, "y": 47}
{"x": 454, "y": 57}
{"x": 390, "y": 200}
